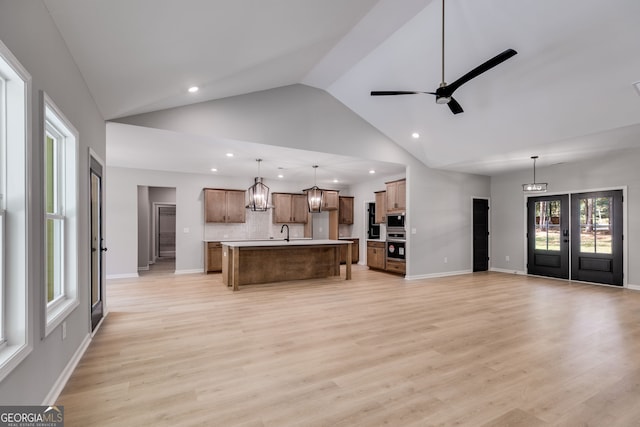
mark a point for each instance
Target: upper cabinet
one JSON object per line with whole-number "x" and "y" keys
{"x": 291, "y": 208}
{"x": 345, "y": 211}
{"x": 396, "y": 196}
{"x": 329, "y": 200}
{"x": 381, "y": 207}
{"x": 224, "y": 205}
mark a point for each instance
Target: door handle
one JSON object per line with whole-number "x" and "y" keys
{"x": 104, "y": 249}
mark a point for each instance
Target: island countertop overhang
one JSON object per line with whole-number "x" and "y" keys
{"x": 276, "y": 243}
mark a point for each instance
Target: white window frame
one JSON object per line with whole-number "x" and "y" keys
{"x": 15, "y": 142}
{"x": 67, "y": 195}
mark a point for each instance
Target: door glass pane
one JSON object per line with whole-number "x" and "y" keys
{"x": 595, "y": 225}
{"x": 547, "y": 225}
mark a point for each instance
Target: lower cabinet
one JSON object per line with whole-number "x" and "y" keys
{"x": 355, "y": 252}
{"x": 396, "y": 266}
{"x": 213, "y": 257}
{"x": 376, "y": 255}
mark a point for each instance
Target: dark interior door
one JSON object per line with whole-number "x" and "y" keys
{"x": 548, "y": 236}
{"x": 480, "y": 235}
{"x": 597, "y": 237}
{"x": 97, "y": 244}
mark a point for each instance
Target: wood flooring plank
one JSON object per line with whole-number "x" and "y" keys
{"x": 471, "y": 350}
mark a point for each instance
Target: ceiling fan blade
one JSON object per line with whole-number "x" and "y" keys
{"x": 454, "y": 106}
{"x": 395, "y": 92}
{"x": 496, "y": 60}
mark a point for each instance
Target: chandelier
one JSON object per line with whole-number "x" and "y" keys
{"x": 534, "y": 187}
{"x": 258, "y": 193}
{"x": 314, "y": 194}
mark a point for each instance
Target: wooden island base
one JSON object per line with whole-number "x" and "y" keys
{"x": 245, "y": 264}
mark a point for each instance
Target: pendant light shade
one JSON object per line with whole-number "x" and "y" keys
{"x": 258, "y": 193}
{"x": 314, "y": 195}
{"x": 535, "y": 187}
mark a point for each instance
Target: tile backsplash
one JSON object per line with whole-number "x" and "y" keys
{"x": 258, "y": 225}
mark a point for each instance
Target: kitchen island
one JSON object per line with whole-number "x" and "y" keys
{"x": 266, "y": 261}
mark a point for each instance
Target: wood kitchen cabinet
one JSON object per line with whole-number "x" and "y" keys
{"x": 224, "y": 205}
{"x": 329, "y": 200}
{"x": 345, "y": 211}
{"x": 355, "y": 251}
{"x": 396, "y": 266}
{"x": 381, "y": 207}
{"x": 213, "y": 257}
{"x": 289, "y": 208}
{"x": 376, "y": 255}
{"x": 396, "y": 196}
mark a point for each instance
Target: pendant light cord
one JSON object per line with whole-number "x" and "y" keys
{"x": 443, "y": 82}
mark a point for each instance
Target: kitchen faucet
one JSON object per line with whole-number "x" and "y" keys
{"x": 282, "y": 228}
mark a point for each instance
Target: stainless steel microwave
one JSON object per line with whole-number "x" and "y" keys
{"x": 395, "y": 221}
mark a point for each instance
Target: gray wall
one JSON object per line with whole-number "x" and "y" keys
{"x": 28, "y": 31}
{"x": 144, "y": 225}
{"x": 615, "y": 170}
{"x": 122, "y": 221}
{"x": 298, "y": 116}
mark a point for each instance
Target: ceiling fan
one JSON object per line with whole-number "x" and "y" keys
{"x": 444, "y": 93}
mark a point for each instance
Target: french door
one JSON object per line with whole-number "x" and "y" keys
{"x": 548, "y": 236}
{"x": 594, "y": 238}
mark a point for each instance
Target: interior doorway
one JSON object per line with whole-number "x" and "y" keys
{"x": 157, "y": 243}
{"x": 165, "y": 231}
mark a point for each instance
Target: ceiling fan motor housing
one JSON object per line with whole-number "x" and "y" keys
{"x": 441, "y": 96}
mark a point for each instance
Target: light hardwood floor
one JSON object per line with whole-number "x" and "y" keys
{"x": 484, "y": 349}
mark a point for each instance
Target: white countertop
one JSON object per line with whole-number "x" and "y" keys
{"x": 293, "y": 242}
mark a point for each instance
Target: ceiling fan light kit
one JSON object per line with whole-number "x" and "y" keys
{"x": 444, "y": 93}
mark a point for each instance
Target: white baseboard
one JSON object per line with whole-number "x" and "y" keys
{"x": 122, "y": 276}
{"x": 57, "y": 388}
{"x": 435, "y": 275}
{"x": 633, "y": 287}
{"x": 504, "y": 270}
{"x": 143, "y": 268}
{"x": 194, "y": 271}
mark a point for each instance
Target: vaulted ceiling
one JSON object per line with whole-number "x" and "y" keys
{"x": 568, "y": 94}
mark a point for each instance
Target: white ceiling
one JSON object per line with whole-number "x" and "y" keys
{"x": 567, "y": 95}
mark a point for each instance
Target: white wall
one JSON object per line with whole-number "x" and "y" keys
{"x": 614, "y": 170}
{"x": 27, "y": 29}
{"x": 298, "y": 116}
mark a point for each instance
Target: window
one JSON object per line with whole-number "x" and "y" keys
{"x": 60, "y": 150}
{"x": 15, "y": 88}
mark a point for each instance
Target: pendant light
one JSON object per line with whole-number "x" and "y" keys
{"x": 314, "y": 194}
{"x": 535, "y": 187}
{"x": 258, "y": 193}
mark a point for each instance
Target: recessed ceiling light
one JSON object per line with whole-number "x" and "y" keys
{"x": 193, "y": 89}
{"x": 335, "y": 180}
{"x": 637, "y": 86}
{"x": 229, "y": 154}
{"x": 415, "y": 135}
{"x": 372, "y": 171}
{"x": 280, "y": 176}
{"x": 214, "y": 170}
